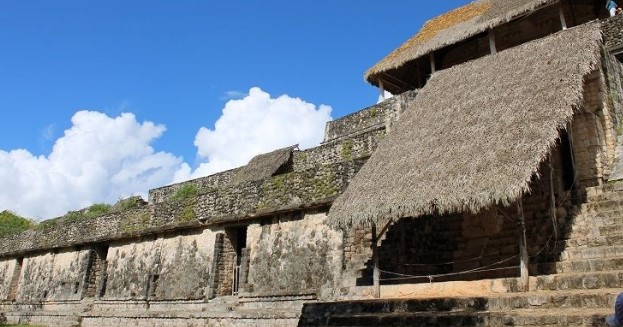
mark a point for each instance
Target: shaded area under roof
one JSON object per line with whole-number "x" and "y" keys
{"x": 452, "y": 27}
{"x": 476, "y": 133}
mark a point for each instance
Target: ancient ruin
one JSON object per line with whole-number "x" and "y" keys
{"x": 486, "y": 192}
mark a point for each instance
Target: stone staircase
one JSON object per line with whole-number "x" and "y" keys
{"x": 576, "y": 285}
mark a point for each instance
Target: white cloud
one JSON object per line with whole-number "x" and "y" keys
{"x": 102, "y": 158}
{"x": 233, "y": 95}
{"x": 257, "y": 124}
{"x": 98, "y": 159}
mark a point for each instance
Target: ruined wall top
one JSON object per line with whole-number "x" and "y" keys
{"x": 381, "y": 115}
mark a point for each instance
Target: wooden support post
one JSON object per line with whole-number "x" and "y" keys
{"x": 419, "y": 75}
{"x": 571, "y": 150}
{"x": 524, "y": 277}
{"x": 492, "y": 48}
{"x": 563, "y": 21}
{"x": 382, "y": 89}
{"x": 376, "y": 293}
{"x": 432, "y": 62}
{"x": 552, "y": 200}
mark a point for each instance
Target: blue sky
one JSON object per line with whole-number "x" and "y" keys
{"x": 174, "y": 66}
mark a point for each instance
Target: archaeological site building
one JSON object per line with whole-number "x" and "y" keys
{"x": 486, "y": 192}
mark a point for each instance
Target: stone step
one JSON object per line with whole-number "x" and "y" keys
{"x": 601, "y": 205}
{"x": 592, "y": 252}
{"x": 599, "y": 191}
{"x": 599, "y": 298}
{"x": 589, "y": 241}
{"x": 528, "y": 309}
{"x": 563, "y": 317}
{"x": 588, "y": 265}
{"x": 599, "y": 218}
{"x": 552, "y": 317}
{"x": 579, "y": 281}
{"x": 579, "y": 231}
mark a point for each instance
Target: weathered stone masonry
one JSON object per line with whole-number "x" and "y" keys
{"x": 181, "y": 252}
{"x": 229, "y": 251}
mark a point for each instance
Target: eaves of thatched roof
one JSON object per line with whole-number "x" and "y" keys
{"x": 455, "y": 26}
{"x": 476, "y": 133}
{"x": 264, "y": 165}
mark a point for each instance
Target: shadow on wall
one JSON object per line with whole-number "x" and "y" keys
{"x": 398, "y": 312}
{"x": 472, "y": 247}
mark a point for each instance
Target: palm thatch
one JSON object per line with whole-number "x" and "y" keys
{"x": 476, "y": 133}
{"x": 264, "y": 165}
{"x": 455, "y": 26}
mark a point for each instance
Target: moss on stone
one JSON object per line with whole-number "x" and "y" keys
{"x": 187, "y": 213}
{"x": 347, "y": 150}
{"x": 187, "y": 191}
{"x": 134, "y": 222}
{"x": 373, "y": 112}
{"x": 324, "y": 186}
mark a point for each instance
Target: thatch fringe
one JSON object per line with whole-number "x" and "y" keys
{"x": 476, "y": 133}
{"x": 264, "y": 165}
{"x": 453, "y": 27}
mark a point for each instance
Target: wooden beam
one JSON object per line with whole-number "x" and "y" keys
{"x": 419, "y": 75}
{"x": 524, "y": 276}
{"x": 383, "y": 230}
{"x": 432, "y": 62}
{"x": 492, "y": 47}
{"x": 381, "y": 89}
{"x": 563, "y": 21}
{"x": 376, "y": 292}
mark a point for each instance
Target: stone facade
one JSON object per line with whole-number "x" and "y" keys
{"x": 293, "y": 254}
{"x": 252, "y": 253}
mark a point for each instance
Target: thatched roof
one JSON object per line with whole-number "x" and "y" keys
{"x": 476, "y": 133}
{"x": 264, "y": 165}
{"x": 452, "y": 27}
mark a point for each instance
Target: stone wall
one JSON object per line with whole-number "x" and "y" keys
{"x": 290, "y": 191}
{"x": 35, "y": 278}
{"x": 378, "y": 116}
{"x": 593, "y": 133}
{"x": 67, "y": 276}
{"x": 172, "y": 267}
{"x": 186, "y": 261}
{"x": 293, "y": 254}
{"x": 308, "y": 188}
{"x": 359, "y": 146}
{"x": 612, "y": 29}
{"x": 226, "y": 257}
{"x": 7, "y": 267}
{"x": 130, "y": 265}
{"x": 65, "y": 234}
{"x": 213, "y": 181}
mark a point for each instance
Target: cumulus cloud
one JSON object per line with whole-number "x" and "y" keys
{"x": 102, "y": 158}
{"x": 256, "y": 124}
{"x": 98, "y": 159}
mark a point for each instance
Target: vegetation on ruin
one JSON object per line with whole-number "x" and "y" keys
{"x": 373, "y": 112}
{"x": 347, "y": 150}
{"x": 93, "y": 211}
{"x": 10, "y": 223}
{"x": 187, "y": 191}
